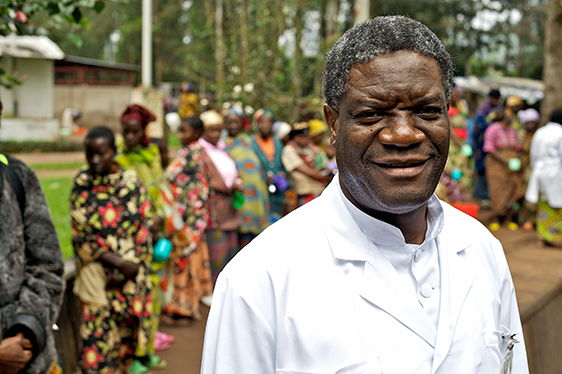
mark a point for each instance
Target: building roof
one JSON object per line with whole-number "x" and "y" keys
{"x": 84, "y": 61}
{"x": 27, "y": 46}
{"x": 532, "y": 91}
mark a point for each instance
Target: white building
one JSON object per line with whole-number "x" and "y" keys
{"x": 28, "y": 112}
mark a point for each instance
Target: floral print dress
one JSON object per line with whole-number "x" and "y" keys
{"x": 187, "y": 217}
{"x": 112, "y": 213}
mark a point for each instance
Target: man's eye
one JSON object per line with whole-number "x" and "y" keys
{"x": 368, "y": 115}
{"x": 431, "y": 112}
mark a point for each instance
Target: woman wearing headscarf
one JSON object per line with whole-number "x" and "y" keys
{"x": 514, "y": 104}
{"x": 136, "y": 153}
{"x": 269, "y": 150}
{"x": 224, "y": 182}
{"x": 186, "y": 221}
{"x": 545, "y": 184}
{"x": 254, "y": 212}
{"x": 529, "y": 119}
{"x": 505, "y": 183}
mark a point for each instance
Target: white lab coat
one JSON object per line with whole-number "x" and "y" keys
{"x": 313, "y": 295}
{"x": 546, "y": 162}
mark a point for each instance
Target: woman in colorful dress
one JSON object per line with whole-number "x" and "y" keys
{"x": 254, "y": 212}
{"x": 299, "y": 159}
{"x": 222, "y": 174}
{"x": 186, "y": 221}
{"x": 503, "y": 175}
{"x": 545, "y": 184}
{"x": 136, "y": 153}
{"x": 110, "y": 232}
{"x": 269, "y": 149}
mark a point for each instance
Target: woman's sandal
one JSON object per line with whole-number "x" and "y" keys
{"x": 156, "y": 362}
{"x": 137, "y": 368}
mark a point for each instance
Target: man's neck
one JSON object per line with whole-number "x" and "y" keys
{"x": 413, "y": 225}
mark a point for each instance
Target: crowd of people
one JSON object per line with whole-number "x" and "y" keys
{"x": 494, "y": 161}
{"x": 151, "y": 235}
{"x": 225, "y": 186}
{"x": 228, "y": 183}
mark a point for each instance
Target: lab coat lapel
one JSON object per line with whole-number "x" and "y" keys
{"x": 383, "y": 287}
{"x": 457, "y": 277}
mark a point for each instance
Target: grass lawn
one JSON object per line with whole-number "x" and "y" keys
{"x": 57, "y": 192}
{"x": 57, "y": 166}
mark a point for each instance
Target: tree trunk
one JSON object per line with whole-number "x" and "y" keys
{"x": 552, "y": 73}
{"x": 360, "y": 11}
{"x": 244, "y": 50}
{"x": 297, "y": 56}
{"x": 158, "y": 45}
{"x": 219, "y": 49}
{"x": 330, "y": 18}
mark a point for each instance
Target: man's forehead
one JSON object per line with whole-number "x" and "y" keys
{"x": 404, "y": 70}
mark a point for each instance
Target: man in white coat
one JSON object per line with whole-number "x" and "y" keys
{"x": 376, "y": 275}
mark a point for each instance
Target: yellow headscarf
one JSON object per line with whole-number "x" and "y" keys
{"x": 317, "y": 127}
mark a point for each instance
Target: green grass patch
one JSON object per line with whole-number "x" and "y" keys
{"x": 57, "y": 192}
{"x": 11, "y": 147}
{"x": 57, "y": 166}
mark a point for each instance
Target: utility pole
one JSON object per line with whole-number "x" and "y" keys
{"x": 146, "y": 66}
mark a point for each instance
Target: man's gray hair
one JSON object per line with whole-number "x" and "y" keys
{"x": 375, "y": 37}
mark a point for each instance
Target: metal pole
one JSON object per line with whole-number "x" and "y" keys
{"x": 147, "y": 43}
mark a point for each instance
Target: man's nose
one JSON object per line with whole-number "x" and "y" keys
{"x": 401, "y": 131}
{"x": 96, "y": 159}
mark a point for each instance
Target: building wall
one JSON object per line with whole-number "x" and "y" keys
{"x": 99, "y": 105}
{"x": 34, "y": 97}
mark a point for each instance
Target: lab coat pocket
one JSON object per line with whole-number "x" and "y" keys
{"x": 371, "y": 366}
{"x": 492, "y": 356}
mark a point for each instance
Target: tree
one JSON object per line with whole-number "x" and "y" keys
{"x": 553, "y": 60}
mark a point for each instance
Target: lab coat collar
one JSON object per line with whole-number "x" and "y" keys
{"x": 382, "y": 285}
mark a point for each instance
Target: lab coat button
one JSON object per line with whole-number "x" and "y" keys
{"x": 426, "y": 290}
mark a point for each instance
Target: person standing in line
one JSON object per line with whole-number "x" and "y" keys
{"x": 299, "y": 159}
{"x": 224, "y": 182}
{"x": 503, "y": 174}
{"x": 376, "y": 275}
{"x": 545, "y": 183}
{"x": 254, "y": 212}
{"x": 269, "y": 150}
{"x": 111, "y": 220}
{"x": 136, "y": 153}
{"x": 529, "y": 119}
{"x": 187, "y": 222}
{"x": 476, "y": 134}
{"x": 31, "y": 273}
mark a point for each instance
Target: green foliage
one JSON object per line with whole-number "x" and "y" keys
{"x": 57, "y": 193}
{"x": 185, "y": 42}
{"x": 12, "y": 147}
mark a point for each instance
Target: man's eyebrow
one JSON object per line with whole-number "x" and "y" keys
{"x": 429, "y": 100}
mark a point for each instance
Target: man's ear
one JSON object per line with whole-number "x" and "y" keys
{"x": 332, "y": 119}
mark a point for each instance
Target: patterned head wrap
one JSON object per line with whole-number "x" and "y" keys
{"x": 140, "y": 113}
{"x": 260, "y": 113}
{"x": 210, "y": 118}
